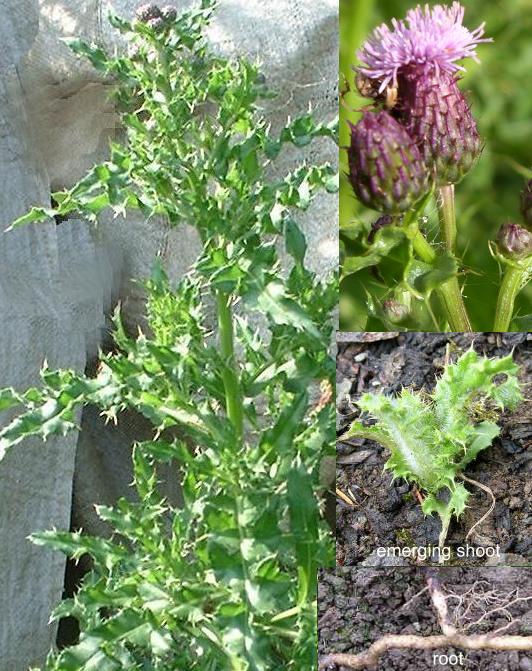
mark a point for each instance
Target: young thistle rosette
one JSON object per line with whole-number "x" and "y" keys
{"x": 228, "y": 581}
{"x": 433, "y": 437}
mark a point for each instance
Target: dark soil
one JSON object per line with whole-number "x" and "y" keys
{"x": 386, "y": 513}
{"x": 359, "y": 605}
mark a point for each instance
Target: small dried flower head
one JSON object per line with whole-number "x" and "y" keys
{"x": 437, "y": 115}
{"x": 381, "y": 222}
{"x": 394, "y": 311}
{"x": 147, "y": 12}
{"x": 386, "y": 170}
{"x": 526, "y": 203}
{"x": 156, "y": 24}
{"x": 434, "y": 35}
{"x": 169, "y": 13}
{"x": 514, "y": 241}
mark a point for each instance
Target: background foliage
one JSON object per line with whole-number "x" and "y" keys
{"x": 499, "y": 90}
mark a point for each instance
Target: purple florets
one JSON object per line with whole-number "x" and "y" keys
{"x": 428, "y": 35}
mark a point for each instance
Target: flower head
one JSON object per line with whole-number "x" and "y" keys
{"x": 394, "y": 311}
{"x": 428, "y": 35}
{"x": 437, "y": 116}
{"x": 169, "y": 13}
{"x": 514, "y": 241}
{"x": 386, "y": 170}
{"x": 147, "y": 12}
{"x": 381, "y": 222}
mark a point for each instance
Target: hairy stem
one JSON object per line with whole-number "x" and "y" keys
{"x": 453, "y": 303}
{"x": 447, "y": 216}
{"x": 510, "y": 286}
{"x": 449, "y": 292}
{"x": 233, "y": 395}
{"x": 423, "y": 248}
{"x": 370, "y": 658}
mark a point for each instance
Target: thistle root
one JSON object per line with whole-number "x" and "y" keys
{"x": 474, "y": 608}
{"x": 370, "y": 658}
{"x": 491, "y": 508}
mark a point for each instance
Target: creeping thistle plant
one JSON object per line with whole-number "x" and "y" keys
{"x": 433, "y": 437}
{"x": 228, "y": 581}
{"x": 417, "y": 138}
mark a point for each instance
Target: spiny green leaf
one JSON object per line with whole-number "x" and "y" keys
{"x": 304, "y": 527}
{"x": 385, "y": 241}
{"x": 444, "y": 268}
{"x": 272, "y": 300}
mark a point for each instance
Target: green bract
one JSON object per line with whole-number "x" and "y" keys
{"x": 433, "y": 437}
{"x": 227, "y": 582}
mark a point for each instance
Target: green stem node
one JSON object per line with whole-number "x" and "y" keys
{"x": 449, "y": 292}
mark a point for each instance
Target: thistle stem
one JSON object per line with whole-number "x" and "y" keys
{"x": 233, "y": 395}
{"x": 423, "y": 248}
{"x": 510, "y": 286}
{"x": 447, "y": 216}
{"x": 453, "y": 303}
{"x": 449, "y": 292}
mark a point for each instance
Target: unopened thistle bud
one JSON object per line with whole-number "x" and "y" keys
{"x": 514, "y": 241}
{"x": 156, "y": 24}
{"x": 169, "y": 13}
{"x": 394, "y": 311}
{"x": 526, "y": 203}
{"x": 147, "y": 12}
{"x": 436, "y": 114}
{"x": 385, "y": 167}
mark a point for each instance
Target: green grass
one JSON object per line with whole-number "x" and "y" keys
{"x": 500, "y": 94}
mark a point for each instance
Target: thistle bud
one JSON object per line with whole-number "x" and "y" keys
{"x": 526, "y": 203}
{"x": 147, "y": 12}
{"x": 514, "y": 241}
{"x": 394, "y": 311}
{"x": 156, "y": 24}
{"x": 437, "y": 115}
{"x": 386, "y": 170}
{"x": 169, "y": 13}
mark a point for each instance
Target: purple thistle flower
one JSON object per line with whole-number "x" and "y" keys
{"x": 386, "y": 170}
{"x": 433, "y": 36}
